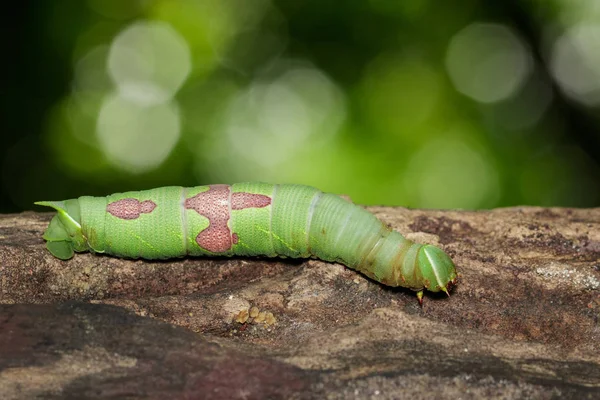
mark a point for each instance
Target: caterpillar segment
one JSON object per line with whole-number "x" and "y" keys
{"x": 246, "y": 219}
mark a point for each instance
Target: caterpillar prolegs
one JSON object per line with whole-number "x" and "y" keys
{"x": 246, "y": 219}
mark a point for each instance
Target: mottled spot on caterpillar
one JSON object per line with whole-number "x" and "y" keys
{"x": 130, "y": 208}
{"x": 147, "y": 206}
{"x": 241, "y": 200}
{"x": 214, "y": 205}
{"x": 215, "y": 238}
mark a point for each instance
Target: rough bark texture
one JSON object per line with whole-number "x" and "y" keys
{"x": 523, "y": 322}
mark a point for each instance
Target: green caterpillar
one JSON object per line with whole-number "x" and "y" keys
{"x": 246, "y": 219}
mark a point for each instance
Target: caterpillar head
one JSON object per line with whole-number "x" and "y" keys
{"x": 64, "y": 236}
{"x": 437, "y": 269}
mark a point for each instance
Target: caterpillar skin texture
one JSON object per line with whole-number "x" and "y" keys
{"x": 245, "y": 219}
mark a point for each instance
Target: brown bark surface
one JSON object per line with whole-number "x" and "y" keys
{"x": 523, "y": 321}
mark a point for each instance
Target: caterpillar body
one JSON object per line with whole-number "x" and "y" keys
{"x": 246, "y": 219}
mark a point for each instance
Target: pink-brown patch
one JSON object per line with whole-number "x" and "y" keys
{"x": 241, "y": 200}
{"x": 130, "y": 208}
{"x": 215, "y": 238}
{"x": 214, "y": 205}
{"x": 147, "y": 206}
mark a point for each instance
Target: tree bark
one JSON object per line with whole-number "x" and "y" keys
{"x": 522, "y": 322}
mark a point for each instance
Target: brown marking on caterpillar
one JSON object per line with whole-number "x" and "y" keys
{"x": 241, "y": 200}
{"x": 213, "y": 204}
{"x": 347, "y": 198}
{"x": 398, "y": 259}
{"x": 130, "y": 208}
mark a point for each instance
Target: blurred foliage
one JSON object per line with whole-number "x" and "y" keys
{"x": 467, "y": 104}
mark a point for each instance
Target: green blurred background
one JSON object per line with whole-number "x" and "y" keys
{"x": 420, "y": 103}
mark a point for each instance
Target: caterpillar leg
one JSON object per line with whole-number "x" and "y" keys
{"x": 420, "y": 294}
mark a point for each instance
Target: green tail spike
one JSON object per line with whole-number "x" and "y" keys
{"x": 57, "y": 205}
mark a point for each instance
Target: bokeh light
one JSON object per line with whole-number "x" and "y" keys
{"x": 149, "y": 61}
{"x": 575, "y": 62}
{"x": 137, "y": 137}
{"x": 453, "y": 174}
{"x": 487, "y": 62}
{"x": 292, "y": 109}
